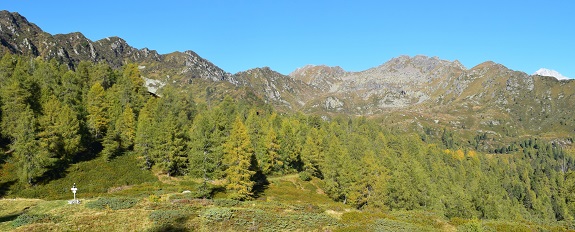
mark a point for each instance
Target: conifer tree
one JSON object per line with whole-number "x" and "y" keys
{"x": 59, "y": 130}
{"x": 238, "y": 153}
{"x": 290, "y": 145}
{"x": 15, "y": 101}
{"x": 111, "y": 144}
{"x": 270, "y": 160}
{"x": 7, "y": 65}
{"x": 97, "y": 108}
{"x": 145, "y": 133}
{"x": 331, "y": 169}
{"x": 312, "y": 154}
{"x": 170, "y": 153}
{"x": 102, "y": 73}
{"x": 30, "y": 161}
{"x": 70, "y": 91}
{"x": 205, "y": 150}
{"x": 375, "y": 178}
{"x": 127, "y": 128}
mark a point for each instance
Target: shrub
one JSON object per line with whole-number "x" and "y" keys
{"x": 472, "y": 226}
{"x": 25, "y": 219}
{"x": 305, "y": 176}
{"x": 168, "y": 216}
{"x": 393, "y": 225}
{"x": 168, "y": 227}
{"x": 226, "y": 202}
{"x": 154, "y": 198}
{"x": 217, "y": 214}
{"x": 114, "y": 203}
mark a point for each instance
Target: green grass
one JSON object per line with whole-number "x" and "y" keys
{"x": 93, "y": 178}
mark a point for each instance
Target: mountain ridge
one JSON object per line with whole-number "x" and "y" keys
{"x": 486, "y": 97}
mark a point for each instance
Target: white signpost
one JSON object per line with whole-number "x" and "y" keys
{"x": 75, "y": 201}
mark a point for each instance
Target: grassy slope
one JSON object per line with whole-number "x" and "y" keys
{"x": 287, "y": 204}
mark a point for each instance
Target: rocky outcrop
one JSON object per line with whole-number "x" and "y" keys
{"x": 320, "y": 77}
{"x": 274, "y": 87}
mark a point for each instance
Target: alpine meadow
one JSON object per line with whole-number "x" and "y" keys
{"x": 171, "y": 142}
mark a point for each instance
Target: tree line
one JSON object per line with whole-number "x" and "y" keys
{"x": 52, "y": 116}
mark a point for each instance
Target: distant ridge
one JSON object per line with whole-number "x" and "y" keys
{"x": 418, "y": 90}
{"x": 550, "y": 73}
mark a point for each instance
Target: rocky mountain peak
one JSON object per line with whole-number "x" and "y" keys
{"x": 16, "y": 33}
{"x": 424, "y": 63}
{"x": 483, "y": 65}
{"x": 13, "y": 21}
{"x": 319, "y": 76}
{"x": 550, "y": 73}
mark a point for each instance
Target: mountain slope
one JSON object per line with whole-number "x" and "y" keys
{"x": 419, "y": 91}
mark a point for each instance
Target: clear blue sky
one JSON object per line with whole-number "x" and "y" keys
{"x": 286, "y": 34}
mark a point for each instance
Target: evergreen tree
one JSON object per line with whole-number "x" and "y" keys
{"x": 290, "y": 145}
{"x": 170, "y": 151}
{"x": 238, "y": 153}
{"x": 97, "y": 108}
{"x": 30, "y": 161}
{"x": 270, "y": 160}
{"x": 145, "y": 133}
{"x": 312, "y": 154}
{"x": 111, "y": 144}
{"x": 375, "y": 178}
{"x": 15, "y": 101}
{"x": 127, "y": 128}
{"x": 332, "y": 169}
{"x": 70, "y": 91}
{"x": 7, "y": 65}
{"x": 59, "y": 130}
{"x": 203, "y": 157}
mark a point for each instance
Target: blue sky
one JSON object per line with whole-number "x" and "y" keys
{"x": 356, "y": 35}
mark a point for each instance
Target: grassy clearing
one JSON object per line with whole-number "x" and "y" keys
{"x": 93, "y": 178}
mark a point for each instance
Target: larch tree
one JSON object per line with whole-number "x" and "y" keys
{"x": 270, "y": 161}
{"x": 15, "y": 100}
{"x": 97, "y": 108}
{"x": 59, "y": 132}
{"x": 30, "y": 161}
{"x": 289, "y": 143}
{"x": 145, "y": 132}
{"x": 170, "y": 153}
{"x": 238, "y": 156}
{"x": 203, "y": 157}
{"x": 126, "y": 125}
{"x": 332, "y": 168}
{"x": 312, "y": 154}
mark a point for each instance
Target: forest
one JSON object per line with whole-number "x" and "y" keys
{"x": 53, "y": 116}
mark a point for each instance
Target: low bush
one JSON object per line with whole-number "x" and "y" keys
{"x": 226, "y": 202}
{"x": 189, "y": 195}
{"x": 168, "y": 227}
{"x": 305, "y": 176}
{"x": 114, "y": 203}
{"x": 25, "y": 219}
{"x": 168, "y": 216}
{"x": 393, "y": 225}
{"x": 217, "y": 214}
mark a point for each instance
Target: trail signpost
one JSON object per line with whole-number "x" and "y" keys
{"x": 74, "y": 189}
